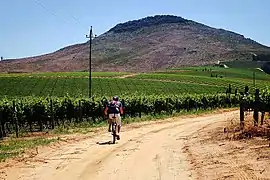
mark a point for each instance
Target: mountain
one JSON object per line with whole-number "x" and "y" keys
{"x": 151, "y": 43}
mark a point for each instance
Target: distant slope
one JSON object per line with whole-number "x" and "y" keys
{"x": 148, "y": 44}
{"x": 266, "y": 67}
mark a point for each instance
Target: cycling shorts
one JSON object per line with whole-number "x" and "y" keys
{"x": 117, "y": 117}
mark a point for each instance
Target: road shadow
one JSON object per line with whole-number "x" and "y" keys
{"x": 105, "y": 143}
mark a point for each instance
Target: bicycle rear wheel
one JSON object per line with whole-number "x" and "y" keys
{"x": 114, "y": 132}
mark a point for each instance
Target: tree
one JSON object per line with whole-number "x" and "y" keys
{"x": 2, "y": 58}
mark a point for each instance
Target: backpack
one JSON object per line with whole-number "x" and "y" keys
{"x": 113, "y": 107}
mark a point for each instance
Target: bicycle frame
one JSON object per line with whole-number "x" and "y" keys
{"x": 114, "y": 126}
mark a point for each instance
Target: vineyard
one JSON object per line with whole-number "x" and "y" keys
{"x": 37, "y": 101}
{"x": 78, "y": 87}
{"x": 33, "y": 114}
{"x": 195, "y": 80}
{"x": 65, "y": 74}
{"x": 220, "y": 82}
{"x": 231, "y": 73}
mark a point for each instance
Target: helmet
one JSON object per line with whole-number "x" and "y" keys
{"x": 115, "y": 98}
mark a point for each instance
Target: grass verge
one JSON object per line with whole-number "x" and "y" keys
{"x": 86, "y": 127}
{"x": 14, "y": 147}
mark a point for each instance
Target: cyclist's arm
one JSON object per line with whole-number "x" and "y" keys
{"x": 121, "y": 110}
{"x": 105, "y": 111}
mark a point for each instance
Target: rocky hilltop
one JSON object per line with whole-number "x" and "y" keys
{"x": 147, "y": 44}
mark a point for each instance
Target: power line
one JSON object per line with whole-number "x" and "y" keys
{"x": 63, "y": 20}
{"x": 79, "y": 22}
{"x": 46, "y": 9}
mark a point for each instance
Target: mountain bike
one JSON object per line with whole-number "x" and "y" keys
{"x": 114, "y": 126}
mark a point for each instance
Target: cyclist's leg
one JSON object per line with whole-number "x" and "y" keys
{"x": 110, "y": 123}
{"x": 118, "y": 122}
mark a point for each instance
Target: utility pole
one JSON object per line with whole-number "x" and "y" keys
{"x": 90, "y": 61}
{"x": 254, "y": 79}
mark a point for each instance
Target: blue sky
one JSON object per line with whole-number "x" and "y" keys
{"x": 34, "y": 27}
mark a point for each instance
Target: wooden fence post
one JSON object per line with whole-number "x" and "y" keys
{"x": 177, "y": 106}
{"x": 235, "y": 92}
{"x": 246, "y": 90}
{"x": 256, "y": 110}
{"x": 80, "y": 111}
{"x": 167, "y": 109}
{"x": 15, "y": 120}
{"x": 229, "y": 101}
{"x": 262, "y": 118}
{"x": 230, "y": 89}
{"x": 140, "y": 109}
{"x": 30, "y": 120}
{"x": 242, "y": 116}
{"x": 1, "y": 130}
{"x": 52, "y": 113}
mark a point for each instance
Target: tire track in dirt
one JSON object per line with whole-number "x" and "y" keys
{"x": 130, "y": 143}
{"x": 153, "y": 151}
{"x": 160, "y": 136}
{"x": 55, "y": 157}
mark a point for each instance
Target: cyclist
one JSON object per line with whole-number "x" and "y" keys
{"x": 114, "y": 109}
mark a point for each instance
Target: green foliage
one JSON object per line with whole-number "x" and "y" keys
{"x": 191, "y": 80}
{"x": 265, "y": 97}
{"x": 78, "y": 87}
{"x": 204, "y": 78}
{"x": 244, "y": 64}
{"x": 229, "y": 73}
{"x": 262, "y": 102}
{"x": 37, "y": 113}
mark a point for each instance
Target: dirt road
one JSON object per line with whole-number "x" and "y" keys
{"x": 173, "y": 149}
